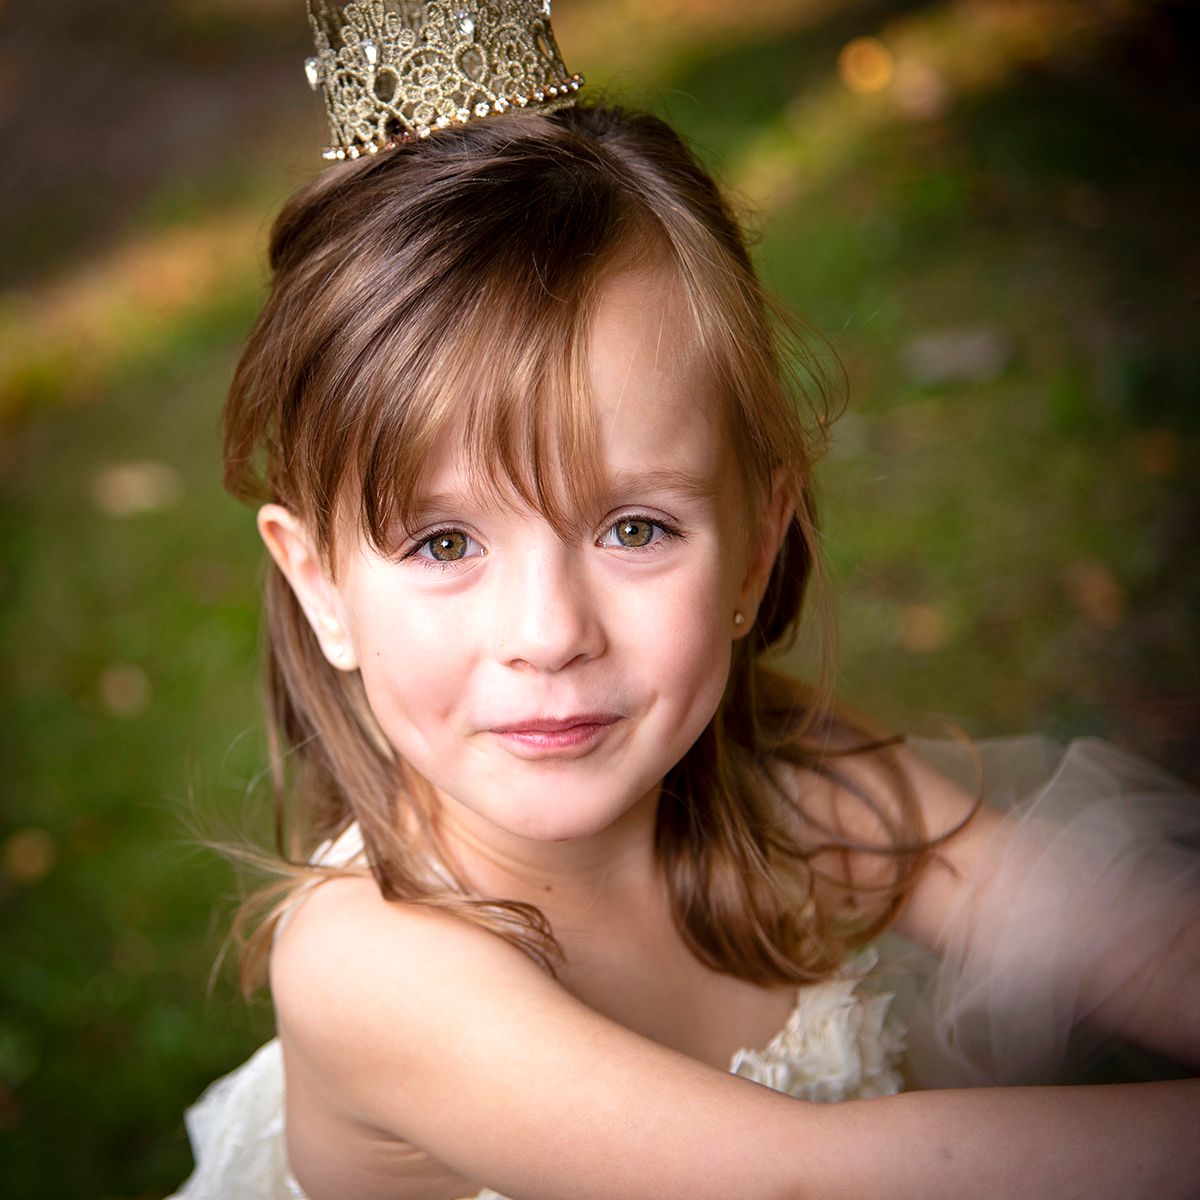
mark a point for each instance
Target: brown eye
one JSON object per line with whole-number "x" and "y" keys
{"x": 639, "y": 533}
{"x": 444, "y": 548}
{"x": 634, "y": 534}
{"x": 449, "y": 546}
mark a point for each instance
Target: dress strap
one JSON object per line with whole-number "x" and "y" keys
{"x": 346, "y": 850}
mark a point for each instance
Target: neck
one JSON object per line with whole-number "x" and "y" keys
{"x": 578, "y": 881}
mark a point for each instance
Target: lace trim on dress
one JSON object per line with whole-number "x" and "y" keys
{"x": 838, "y": 1044}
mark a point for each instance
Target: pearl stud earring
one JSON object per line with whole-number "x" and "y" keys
{"x": 738, "y": 619}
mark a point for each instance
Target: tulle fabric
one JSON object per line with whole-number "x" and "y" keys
{"x": 1099, "y": 873}
{"x": 236, "y": 1131}
{"x": 1097, "y": 876}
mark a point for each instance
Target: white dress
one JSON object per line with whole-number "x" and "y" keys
{"x": 1099, "y": 874}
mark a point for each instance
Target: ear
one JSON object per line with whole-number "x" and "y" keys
{"x": 773, "y": 523}
{"x": 295, "y": 553}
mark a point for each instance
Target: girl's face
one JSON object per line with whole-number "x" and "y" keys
{"x": 545, "y": 686}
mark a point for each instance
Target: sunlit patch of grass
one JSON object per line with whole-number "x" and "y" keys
{"x": 68, "y": 341}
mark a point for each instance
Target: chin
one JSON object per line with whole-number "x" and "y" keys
{"x": 552, "y": 827}
{"x": 563, "y": 816}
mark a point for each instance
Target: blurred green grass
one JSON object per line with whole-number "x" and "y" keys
{"x": 1012, "y": 546}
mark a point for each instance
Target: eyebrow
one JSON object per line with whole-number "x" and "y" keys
{"x": 683, "y": 482}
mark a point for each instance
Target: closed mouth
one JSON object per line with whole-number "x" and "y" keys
{"x": 570, "y": 737}
{"x": 551, "y": 725}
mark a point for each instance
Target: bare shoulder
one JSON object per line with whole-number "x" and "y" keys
{"x": 345, "y": 920}
{"x": 349, "y": 958}
{"x": 372, "y": 1000}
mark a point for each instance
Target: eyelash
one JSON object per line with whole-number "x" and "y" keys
{"x": 668, "y": 531}
{"x": 436, "y": 564}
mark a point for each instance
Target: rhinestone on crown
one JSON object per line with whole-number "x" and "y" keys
{"x": 392, "y": 71}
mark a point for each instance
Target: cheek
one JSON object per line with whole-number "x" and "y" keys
{"x": 690, "y": 648}
{"x": 412, "y": 659}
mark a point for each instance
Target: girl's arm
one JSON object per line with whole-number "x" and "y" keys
{"x": 1144, "y": 986}
{"x": 411, "y": 1024}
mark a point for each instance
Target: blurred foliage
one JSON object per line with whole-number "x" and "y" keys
{"x": 985, "y": 206}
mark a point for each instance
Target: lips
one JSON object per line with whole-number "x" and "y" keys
{"x": 555, "y": 737}
{"x": 556, "y": 724}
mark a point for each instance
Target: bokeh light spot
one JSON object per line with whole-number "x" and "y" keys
{"x": 1157, "y": 452}
{"x": 129, "y": 489}
{"x": 29, "y": 856}
{"x": 922, "y": 628}
{"x": 920, "y": 90}
{"x": 866, "y": 65}
{"x": 125, "y": 689}
{"x": 1095, "y": 593}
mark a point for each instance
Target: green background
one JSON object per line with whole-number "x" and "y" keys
{"x": 988, "y": 210}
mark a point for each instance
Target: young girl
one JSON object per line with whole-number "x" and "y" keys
{"x": 578, "y": 887}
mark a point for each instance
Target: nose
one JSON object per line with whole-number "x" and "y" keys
{"x": 548, "y": 616}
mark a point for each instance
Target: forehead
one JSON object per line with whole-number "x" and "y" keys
{"x": 553, "y": 409}
{"x": 654, "y": 398}
{"x": 649, "y": 400}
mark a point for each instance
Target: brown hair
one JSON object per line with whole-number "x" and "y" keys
{"x": 455, "y": 280}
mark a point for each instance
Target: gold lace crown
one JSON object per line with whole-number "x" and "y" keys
{"x": 395, "y": 70}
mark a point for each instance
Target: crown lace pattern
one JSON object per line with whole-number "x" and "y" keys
{"x": 394, "y": 70}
